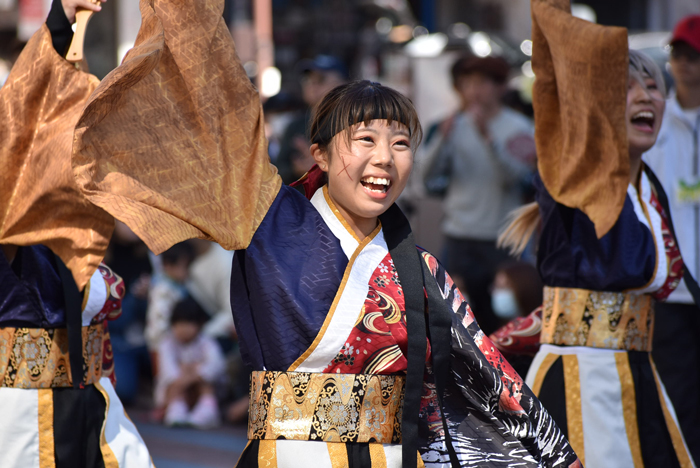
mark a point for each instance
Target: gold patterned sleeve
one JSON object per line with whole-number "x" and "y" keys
{"x": 172, "y": 141}
{"x": 579, "y": 98}
{"x": 40, "y": 203}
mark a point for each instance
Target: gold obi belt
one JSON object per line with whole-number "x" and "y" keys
{"x": 326, "y": 407}
{"x": 610, "y": 320}
{"x": 38, "y": 357}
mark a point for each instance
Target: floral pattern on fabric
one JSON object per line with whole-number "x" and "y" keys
{"x": 38, "y": 357}
{"x": 329, "y": 407}
{"x": 673, "y": 253}
{"x": 378, "y": 343}
{"x": 596, "y": 319}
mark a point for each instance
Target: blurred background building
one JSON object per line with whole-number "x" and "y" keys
{"x": 407, "y": 44}
{"x": 366, "y": 34}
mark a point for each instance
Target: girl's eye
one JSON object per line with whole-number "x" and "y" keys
{"x": 405, "y": 143}
{"x": 366, "y": 138}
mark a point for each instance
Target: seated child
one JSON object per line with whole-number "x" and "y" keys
{"x": 189, "y": 363}
{"x": 167, "y": 289}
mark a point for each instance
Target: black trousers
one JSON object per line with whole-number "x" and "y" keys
{"x": 676, "y": 353}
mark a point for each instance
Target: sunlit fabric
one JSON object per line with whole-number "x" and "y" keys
{"x": 39, "y": 200}
{"x": 172, "y": 141}
{"x": 579, "y": 98}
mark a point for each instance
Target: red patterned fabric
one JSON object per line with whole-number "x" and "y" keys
{"x": 673, "y": 254}
{"x": 108, "y": 357}
{"x": 520, "y": 336}
{"x": 378, "y": 343}
{"x": 112, "y": 308}
{"x": 509, "y": 398}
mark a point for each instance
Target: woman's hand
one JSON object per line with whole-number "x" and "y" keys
{"x": 71, "y": 6}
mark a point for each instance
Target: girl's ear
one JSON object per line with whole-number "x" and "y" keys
{"x": 320, "y": 156}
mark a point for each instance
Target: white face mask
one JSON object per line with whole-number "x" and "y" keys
{"x": 504, "y": 303}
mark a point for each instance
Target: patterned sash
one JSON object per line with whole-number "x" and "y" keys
{"x": 39, "y": 358}
{"x": 326, "y": 407}
{"x": 579, "y": 317}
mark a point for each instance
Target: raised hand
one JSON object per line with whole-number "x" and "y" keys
{"x": 71, "y": 6}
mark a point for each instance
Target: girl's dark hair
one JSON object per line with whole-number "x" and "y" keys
{"x": 188, "y": 310}
{"x": 361, "y": 102}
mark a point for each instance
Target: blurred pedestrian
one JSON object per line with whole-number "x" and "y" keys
{"x": 517, "y": 290}
{"x": 318, "y": 76}
{"x": 131, "y": 261}
{"x": 189, "y": 364}
{"x": 209, "y": 283}
{"x": 516, "y": 296}
{"x": 486, "y": 157}
{"x": 167, "y": 289}
{"x": 675, "y": 159}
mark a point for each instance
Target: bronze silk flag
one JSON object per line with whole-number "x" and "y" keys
{"x": 580, "y": 96}
{"x": 172, "y": 141}
{"x": 39, "y": 200}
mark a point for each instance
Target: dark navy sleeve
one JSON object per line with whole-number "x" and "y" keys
{"x": 284, "y": 283}
{"x": 32, "y": 292}
{"x": 60, "y": 28}
{"x": 570, "y": 254}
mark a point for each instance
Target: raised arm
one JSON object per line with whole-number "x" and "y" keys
{"x": 579, "y": 99}
{"x": 39, "y": 106}
{"x": 172, "y": 142}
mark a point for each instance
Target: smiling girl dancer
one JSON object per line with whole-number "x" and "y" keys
{"x": 362, "y": 351}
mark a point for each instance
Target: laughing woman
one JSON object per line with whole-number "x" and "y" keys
{"x": 594, "y": 371}
{"x": 362, "y": 351}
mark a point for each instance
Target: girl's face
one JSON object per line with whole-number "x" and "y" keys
{"x": 366, "y": 176}
{"x": 645, "y": 110}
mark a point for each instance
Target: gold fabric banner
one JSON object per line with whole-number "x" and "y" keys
{"x": 610, "y": 320}
{"x": 580, "y": 97}
{"x": 39, "y": 200}
{"x": 326, "y": 407}
{"x": 172, "y": 141}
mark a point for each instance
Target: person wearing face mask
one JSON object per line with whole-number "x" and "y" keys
{"x": 517, "y": 301}
{"x": 350, "y": 366}
{"x": 517, "y": 290}
{"x": 485, "y": 158}
{"x": 606, "y": 250}
{"x": 675, "y": 159}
